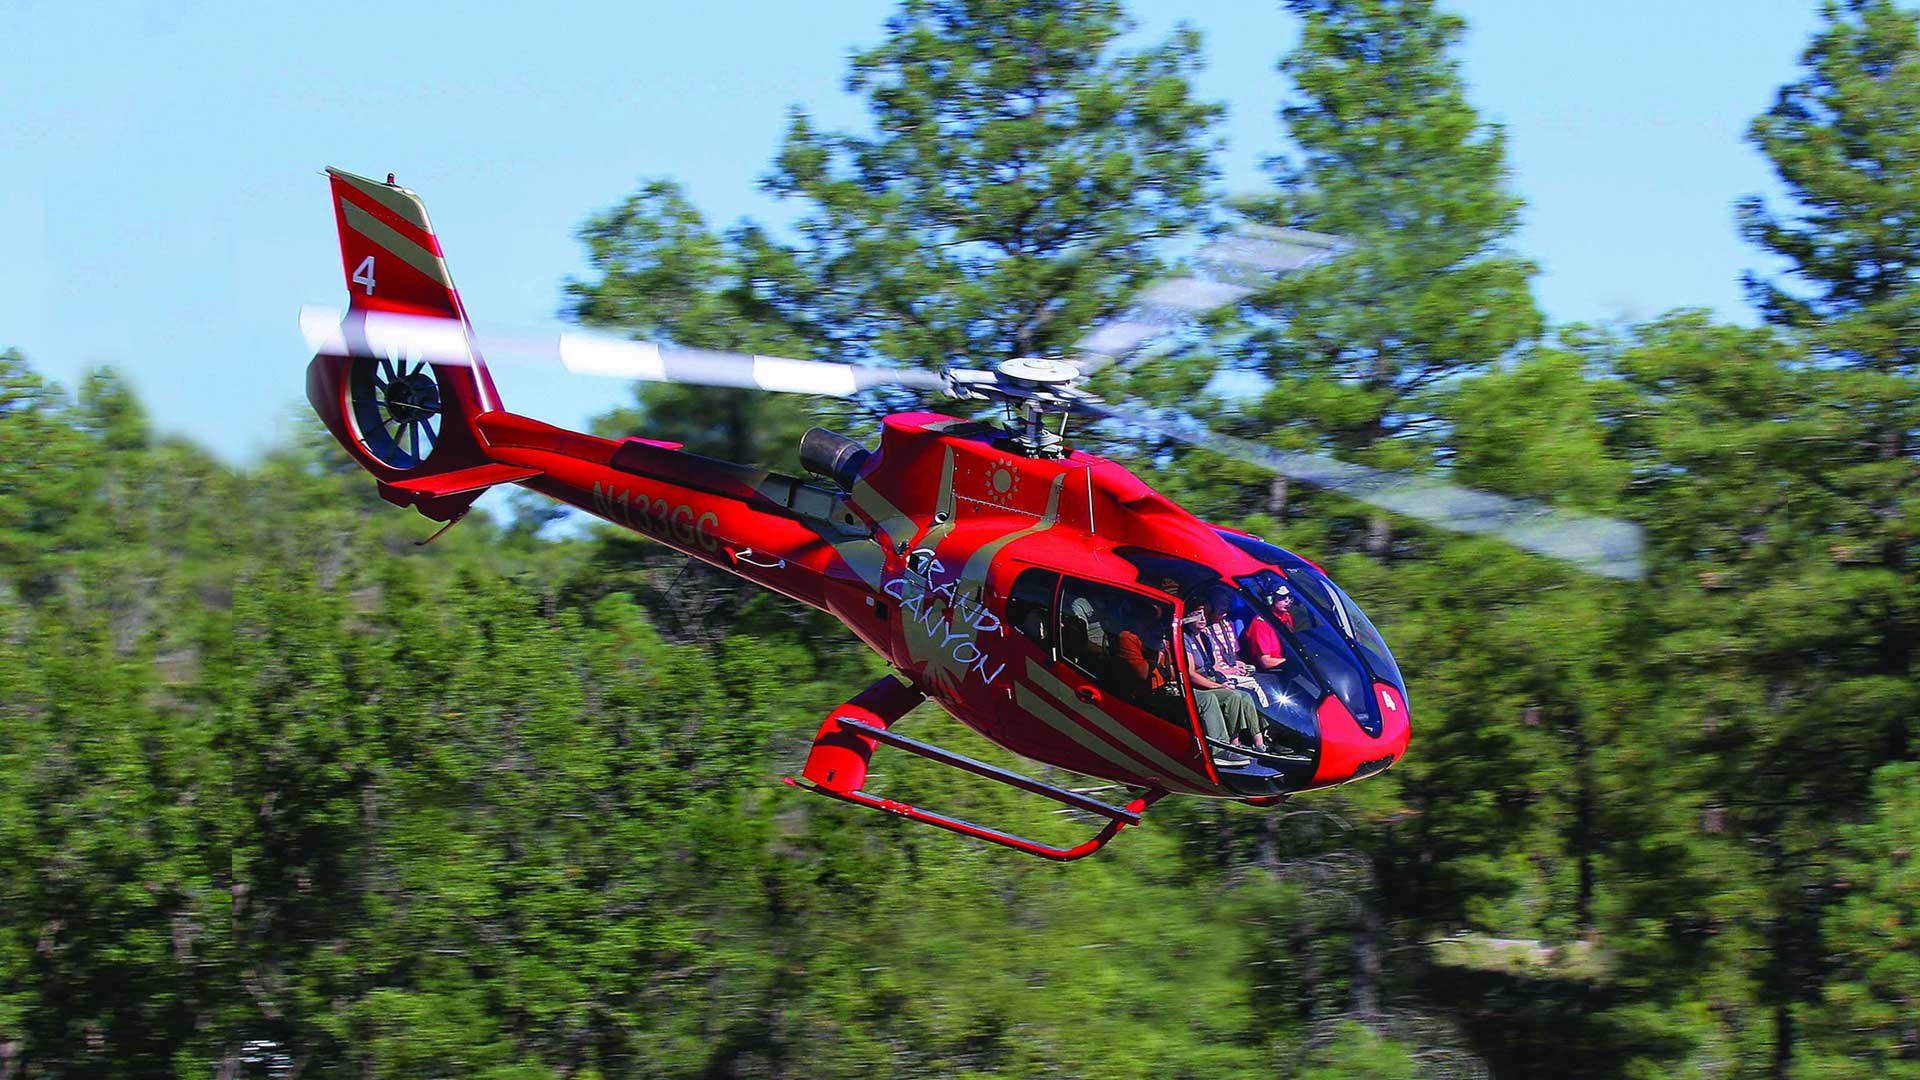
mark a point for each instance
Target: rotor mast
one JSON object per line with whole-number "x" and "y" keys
{"x": 1029, "y": 388}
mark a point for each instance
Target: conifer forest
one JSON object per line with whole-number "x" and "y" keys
{"x": 284, "y": 794}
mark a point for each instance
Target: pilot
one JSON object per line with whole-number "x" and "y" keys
{"x": 1261, "y": 642}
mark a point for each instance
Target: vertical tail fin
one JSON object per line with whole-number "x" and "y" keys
{"x": 407, "y": 421}
{"x": 393, "y": 261}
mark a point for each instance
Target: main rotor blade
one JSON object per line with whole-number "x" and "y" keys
{"x": 1225, "y": 271}
{"x": 1597, "y": 545}
{"x": 384, "y": 335}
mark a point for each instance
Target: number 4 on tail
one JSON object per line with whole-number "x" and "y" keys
{"x": 363, "y": 275}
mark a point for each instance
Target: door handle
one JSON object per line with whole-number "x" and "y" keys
{"x": 1087, "y": 694}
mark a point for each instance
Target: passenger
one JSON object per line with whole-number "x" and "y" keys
{"x": 1084, "y": 635}
{"x": 1226, "y": 713}
{"x": 1223, "y": 643}
{"x": 1261, "y": 643}
{"x": 1034, "y": 625}
{"x": 1143, "y": 659}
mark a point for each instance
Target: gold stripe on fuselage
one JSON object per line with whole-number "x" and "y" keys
{"x": 1098, "y": 719}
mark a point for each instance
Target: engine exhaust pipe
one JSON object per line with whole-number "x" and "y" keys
{"x": 833, "y": 456}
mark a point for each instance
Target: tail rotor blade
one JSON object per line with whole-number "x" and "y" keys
{"x": 1597, "y": 545}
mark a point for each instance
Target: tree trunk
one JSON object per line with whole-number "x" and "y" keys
{"x": 1277, "y": 498}
{"x": 1583, "y": 827}
{"x": 1365, "y": 1000}
{"x": 1782, "y": 933}
{"x": 1267, "y": 843}
{"x": 1379, "y": 537}
{"x": 1896, "y": 644}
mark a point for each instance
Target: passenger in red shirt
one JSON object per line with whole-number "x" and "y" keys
{"x": 1261, "y": 642}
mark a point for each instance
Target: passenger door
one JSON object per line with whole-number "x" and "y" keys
{"x": 1116, "y": 650}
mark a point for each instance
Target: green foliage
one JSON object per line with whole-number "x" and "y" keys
{"x": 1359, "y": 1054}
{"x": 1844, "y": 139}
{"x": 1020, "y": 168}
{"x": 1865, "y": 1021}
{"x": 1840, "y": 676}
{"x": 1389, "y": 154}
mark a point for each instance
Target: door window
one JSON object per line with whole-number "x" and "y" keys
{"x": 1123, "y": 642}
{"x": 1030, "y": 604}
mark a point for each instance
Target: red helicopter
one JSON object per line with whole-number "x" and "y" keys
{"x": 1046, "y": 597}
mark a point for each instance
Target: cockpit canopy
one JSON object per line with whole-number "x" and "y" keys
{"x": 1342, "y": 651}
{"x": 1283, "y": 637}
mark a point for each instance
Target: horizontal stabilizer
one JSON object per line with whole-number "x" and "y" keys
{"x": 461, "y": 481}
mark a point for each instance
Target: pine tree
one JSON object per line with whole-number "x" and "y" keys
{"x": 1390, "y": 154}
{"x": 1845, "y": 139}
{"x": 1021, "y": 168}
{"x": 1866, "y": 1023}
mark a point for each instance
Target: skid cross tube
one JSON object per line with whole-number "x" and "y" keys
{"x": 983, "y": 832}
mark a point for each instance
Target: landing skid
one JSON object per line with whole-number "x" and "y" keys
{"x": 837, "y": 768}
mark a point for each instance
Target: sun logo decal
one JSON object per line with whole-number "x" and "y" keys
{"x": 1003, "y": 481}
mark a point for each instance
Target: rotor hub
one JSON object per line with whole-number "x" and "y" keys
{"x": 1038, "y": 371}
{"x": 412, "y": 396}
{"x": 1029, "y": 388}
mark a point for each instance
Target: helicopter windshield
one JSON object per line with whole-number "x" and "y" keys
{"x": 1368, "y": 638}
{"x": 1307, "y": 582}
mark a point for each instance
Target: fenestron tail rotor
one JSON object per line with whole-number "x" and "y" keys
{"x": 395, "y": 404}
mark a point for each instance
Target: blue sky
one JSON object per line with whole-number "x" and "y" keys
{"x": 162, "y": 208}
